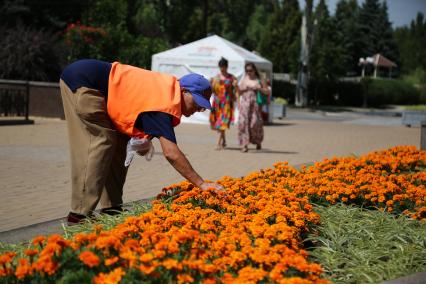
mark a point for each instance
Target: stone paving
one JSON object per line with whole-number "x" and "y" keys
{"x": 34, "y": 167}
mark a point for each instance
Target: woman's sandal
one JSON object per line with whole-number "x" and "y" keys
{"x": 244, "y": 149}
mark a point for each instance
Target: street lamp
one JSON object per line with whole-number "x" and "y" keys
{"x": 364, "y": 62}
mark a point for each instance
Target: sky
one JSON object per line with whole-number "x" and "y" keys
{"x": 401, "y": 12}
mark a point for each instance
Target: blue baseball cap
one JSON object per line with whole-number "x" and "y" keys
{"x": 199, "y": 87}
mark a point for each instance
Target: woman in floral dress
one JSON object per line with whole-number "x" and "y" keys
{"x": 224, "y": 95}
{"x": 250, "y": 125}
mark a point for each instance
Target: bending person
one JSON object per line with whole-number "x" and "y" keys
{"x": 105, "y": 105}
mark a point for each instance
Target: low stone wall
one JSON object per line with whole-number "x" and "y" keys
{"x": 44, "y": 98}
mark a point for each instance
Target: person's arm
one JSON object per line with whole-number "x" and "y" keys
{"x": 159, "y": 125}
{"x": 236, "y": 87}
{"x": 178, "y": 160}
{"x": 263, "y": 88}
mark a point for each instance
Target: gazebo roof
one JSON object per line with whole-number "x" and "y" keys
{"x": 381, "y": 61}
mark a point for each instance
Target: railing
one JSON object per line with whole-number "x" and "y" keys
{"x": 14, "y": 102}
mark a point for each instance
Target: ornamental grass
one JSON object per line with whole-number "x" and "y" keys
{"x": 251, "y": 233}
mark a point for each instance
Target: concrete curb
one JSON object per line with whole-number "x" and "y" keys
{"x": 55, "y": 226}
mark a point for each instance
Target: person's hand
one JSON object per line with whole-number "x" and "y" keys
{"x": 206, "y": 185}
{"x": 142, "y": 152}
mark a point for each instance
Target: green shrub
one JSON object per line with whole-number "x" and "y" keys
{"x": 380, "y": 92}
{"x": 349, "y": 93}
{"x": 386, "y": 92}
{"x": 28, "y": 53}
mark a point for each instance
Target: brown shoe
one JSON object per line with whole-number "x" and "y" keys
{"x": 74, "y": 219}
{"x": 259, "y": 147}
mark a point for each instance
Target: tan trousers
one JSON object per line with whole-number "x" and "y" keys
{"x": 97, "y": 151}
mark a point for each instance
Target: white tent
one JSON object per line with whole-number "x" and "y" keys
{"x": 202, "y": 56}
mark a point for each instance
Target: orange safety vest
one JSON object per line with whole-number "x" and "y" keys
{"x": 133, "y": 90}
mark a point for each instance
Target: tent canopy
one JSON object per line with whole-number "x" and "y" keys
{"x": 202, "y": 56}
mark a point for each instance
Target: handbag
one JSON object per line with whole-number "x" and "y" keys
{"x": 261, "y": 99}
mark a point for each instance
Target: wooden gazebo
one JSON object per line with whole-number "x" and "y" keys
{"x": 379, "y": 61}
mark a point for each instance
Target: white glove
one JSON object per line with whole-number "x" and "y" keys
{"x": 140, "y": 146}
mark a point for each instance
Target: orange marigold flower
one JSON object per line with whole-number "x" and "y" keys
{"x": 111, "y": 261}
{"x": 184, "y": 278}
{"x": 6, "y": 257}
{"x": 24, "y": 269}
{"x": 89, "y": 258}
{"x": 113, "y": 277}
{"x": 31, "y": 252}
{"x": 39, "y": 240}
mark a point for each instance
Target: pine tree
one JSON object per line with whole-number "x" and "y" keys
{"x": 386, "y": 44}
{"x": 411, "y": 42}
{"x": 369, "y": 27}
{"x": 348, "y": 34}
{"x": 326, "y": 60}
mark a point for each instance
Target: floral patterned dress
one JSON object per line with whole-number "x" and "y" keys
{"x": 250, "y": 124}
{"x": 222, "y": 112}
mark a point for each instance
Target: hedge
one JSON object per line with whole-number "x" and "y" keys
{"x": 379, "y": 92}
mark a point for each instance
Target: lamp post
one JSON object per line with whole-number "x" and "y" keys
{"x": 364, "y": 62}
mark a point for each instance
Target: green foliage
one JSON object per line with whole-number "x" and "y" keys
{"x": 285, "y": 90}
{"x": 416, "y": 107}
{"x": 355, "y": 245}
{"x": 51, "y": 15}
{"x": 387, "y": 92}
{"x": 29, "y": 54}
{"x": 375, "y": 30}
{"x": 280, "y": 101}
{"x": 347, "y": 34}
{"x": 280, "y": 40}
{"x": 72, "y": 276}
{"x": 326, "y": 54}
{"x": 109, "y": 38}
{"x": 380, "y": 92}
{"x": 106, "y": 14}
{"x": 84, "y": 41}
{"x": 417, "y": 77}
{"x": 256, "y": 26}
{"x": 412, "y": 42}
{"x": 147, "y": 20}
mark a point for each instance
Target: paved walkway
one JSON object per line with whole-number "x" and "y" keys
{"x": 34, "y": 169}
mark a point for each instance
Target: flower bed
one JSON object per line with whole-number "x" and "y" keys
{"x": 252, "y": 233}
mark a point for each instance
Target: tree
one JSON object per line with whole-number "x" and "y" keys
{"x": 111, "y": 31}
{"x": 29, "y": 54}
{"x": 386, "y": 44}
{"x": 376, "y": 31}
{"x": 31, "y": 43}
{"x": 369, "y": 22}
{"x": 325, "y": 59}
{"x": 348, "y": 34}
{"x": 280, "y": 41}
{"x": 49, "y": 15}
{"x": 411, "y": 42}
